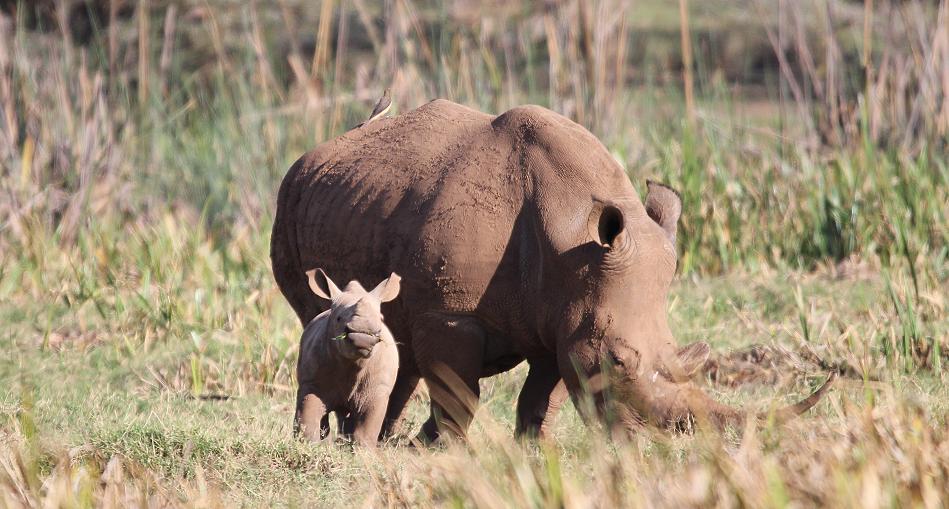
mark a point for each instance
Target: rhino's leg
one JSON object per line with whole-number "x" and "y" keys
{"x": 311, "y": 417}
{"x": 345, "y": 424}
{"x": 541, "y": 397}
{"x": 405, "y": 385}
{"x": 367, "y": 421}
{"x": 449, "y": 351}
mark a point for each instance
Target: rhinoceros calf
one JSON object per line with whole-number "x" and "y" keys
{"x": 348, "y": 361}
{"x": 519, "y": 237}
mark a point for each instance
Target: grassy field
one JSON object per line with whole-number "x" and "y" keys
{"x": 146, "y": 356}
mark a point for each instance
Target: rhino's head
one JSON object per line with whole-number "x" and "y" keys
{"x": 355, "y": 322}
{"x": 618, "y": 344}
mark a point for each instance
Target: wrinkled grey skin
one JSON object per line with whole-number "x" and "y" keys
{"x": 348, "y": 361}
{"x": 519, "y": 238}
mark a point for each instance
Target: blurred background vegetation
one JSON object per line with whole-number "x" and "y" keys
{"x": 801, "y": 131}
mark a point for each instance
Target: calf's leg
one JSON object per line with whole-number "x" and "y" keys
{"x": 311, "y": 420}
{"x": 367, "y": 421}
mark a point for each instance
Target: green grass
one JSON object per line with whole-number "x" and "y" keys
{"x": 146, "y": 354}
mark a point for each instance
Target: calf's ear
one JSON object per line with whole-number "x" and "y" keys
{"x": 388, "y": 289}
{"x": 322, "y": 285}
{"x": 664, "y": 206}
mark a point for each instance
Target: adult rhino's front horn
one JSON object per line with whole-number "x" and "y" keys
{"x": 670, "y": 398}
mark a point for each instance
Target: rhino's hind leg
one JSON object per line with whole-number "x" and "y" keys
{"x": 449, "y": 351}
{"x": 541, "y": 397}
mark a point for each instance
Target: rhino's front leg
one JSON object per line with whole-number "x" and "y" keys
{"x": 311, "y": 419}
{"x": 449, "y": 351}
{"x": 541, "y": 398}
{"x": 367, "y": 422}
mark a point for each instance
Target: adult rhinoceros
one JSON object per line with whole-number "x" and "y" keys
{"x": 518, "y": 237}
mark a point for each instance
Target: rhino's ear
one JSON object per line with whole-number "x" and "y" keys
{"x": 606, "y": 224}
{"x": 322, "y": 285}
{"x": 664, "y": 206}
{"x": 388, "y": 289}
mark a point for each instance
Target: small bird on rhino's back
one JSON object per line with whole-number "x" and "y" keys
{"x": 380, "y": 109}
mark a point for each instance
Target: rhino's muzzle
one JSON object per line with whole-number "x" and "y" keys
{"x": 363, "y": 342}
